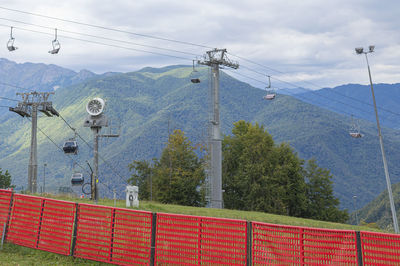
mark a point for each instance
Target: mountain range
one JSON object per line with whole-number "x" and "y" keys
{"x": 146, "y": 105}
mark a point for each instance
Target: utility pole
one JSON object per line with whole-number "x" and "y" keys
{"x": 96, "y": 120}
{"x": 214, "y": 59}
{"x": 31, "y": 103}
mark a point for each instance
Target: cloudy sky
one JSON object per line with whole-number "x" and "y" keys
{"x": 308, "y": 43}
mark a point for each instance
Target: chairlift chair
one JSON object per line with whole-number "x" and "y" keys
{"x": 56, "y": 45}
{"x": 194, "y": 79}
{"x": 70, "y": 147}
{"x": 355, "y": 130}
{"x": 10, "y": 43}
{"x": 271, "y": 94}
{"x": 77, "y": 179}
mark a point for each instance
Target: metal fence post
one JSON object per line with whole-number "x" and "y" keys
{"x": 9, "y": 214}
{"x": 112, "y": 233}
{"x": 153, "y": 238}
{"x": 249, "y": 243}
{"x": 75, "y": 229}
{"x": 302, "y": 246}
{"x": 40, "y": 222}
{"x": 359, "y": 248}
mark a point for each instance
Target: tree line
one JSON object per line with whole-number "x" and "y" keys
{"x": 257, "y": 175}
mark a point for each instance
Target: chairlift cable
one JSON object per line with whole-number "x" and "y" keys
{"x": 105, "y": 44}
{"x": 315, "y": 92}
{"x": 58, "y": 146}
{"x": 101, "y": 37}
{"x": 302, "y": 97}
{"x": 9, "y": 99}
{"x": 91, "y": 147}
{"x": 180, "y": 42}
{"x": 108, "y": 28}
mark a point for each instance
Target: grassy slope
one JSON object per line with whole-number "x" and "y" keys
{"x": 16, "y": 255}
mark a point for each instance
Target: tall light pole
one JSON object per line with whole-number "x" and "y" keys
{"x": 360, "y": 50}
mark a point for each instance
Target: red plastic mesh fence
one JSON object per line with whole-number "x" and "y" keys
{"x": 93, "y": 235}
{"x": 57, "y": 223}
{"x": 5, "y": 198}
{"x": 191, "y": 240}
{"x": 380, "y": 249}
{"x": 113, "y": 235}
{"x": 24, "y": 224}
{"x": 290, "y": 245}
{"x": 131, "y": 237}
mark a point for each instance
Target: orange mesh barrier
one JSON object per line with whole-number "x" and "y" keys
{"x": 131, "y": 237}
{"x": 93, "y": 235}
{"x": 290, "y": 245}
{"x": 114, "y": 235}
{"x": 24, "y": 224}
{"x": 5, "y": 200}
{"x": 192, "y": 240}
{"x": 380, "y": 249}
{"x": 56, "y": 226}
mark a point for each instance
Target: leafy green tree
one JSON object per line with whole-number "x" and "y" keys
{"x": 177, "y": 177}
{"x": 141, "y": 178}
{"x": 5, "y": 179}
{"x": 259, "y": 176}
{"x": 322, "y": 204}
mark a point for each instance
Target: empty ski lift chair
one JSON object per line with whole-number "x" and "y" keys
{"x": 270, "y": 93}
{"x": 355, "y": 130}
{"x": 56, "y": 45}
{"x": 194, "y": 79}
{"x": 10, "y": 43}
{"x": 77, "y": 179}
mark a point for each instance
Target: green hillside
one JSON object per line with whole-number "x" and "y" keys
{"x": 152, "y": 102}
{"x": 378, "y": 211}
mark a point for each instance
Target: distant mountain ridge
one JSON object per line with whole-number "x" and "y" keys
{"x": 153, "y": 101}
{"x": 40, "y": 77}
{"x": 355, "y": 99}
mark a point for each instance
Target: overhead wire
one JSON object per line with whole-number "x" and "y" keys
{"x": 91, "y": 147}
{"x": 52, "y": 141}
{"x": 101, "y": 37}
{"x": 170, "y": 50}
{"x": 107, "y": 28}
{"x": 313, "y": 100}
{"x": 102, "y": 43}
{"x": 316, "y": 92}
{"x": 8, "y": 99}
{"x": 73, "y": 129}
{"x": 164, "y": 39}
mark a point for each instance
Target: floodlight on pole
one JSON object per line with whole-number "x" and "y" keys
{"x": 388, "y": 183}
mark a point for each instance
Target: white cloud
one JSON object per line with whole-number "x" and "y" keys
{"x": 309, "y": 40}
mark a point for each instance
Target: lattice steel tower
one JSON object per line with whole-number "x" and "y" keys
{"x": 31, "y": 103}
{"x": 214, "y": 59}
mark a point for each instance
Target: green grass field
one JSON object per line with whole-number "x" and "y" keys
{"x": 17, "y": 255}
